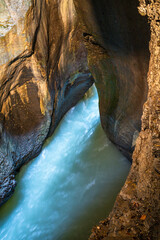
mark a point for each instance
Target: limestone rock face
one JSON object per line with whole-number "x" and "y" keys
{"x": 51, "y": 53}
{"x": 43, "y": 73}
{"x": 13, "y": 38}
{"x": 136, "y": 213}
{"x": 117, "y": 39}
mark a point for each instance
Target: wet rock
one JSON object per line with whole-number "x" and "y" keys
{"x": 43, "y": 73}
{"x": 51, "y": 53}
{"x": 136, "y": 213}
{"x": 118, "y": 58}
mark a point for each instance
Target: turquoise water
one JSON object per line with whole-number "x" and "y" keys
{"x": 71, "y": 185}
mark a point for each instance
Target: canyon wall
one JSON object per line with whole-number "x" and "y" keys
{"x": 136, "y": 213}
{"x": 51, "y": 53}
{"x": 117, "y": 39}
{"x": 43, "y": 73}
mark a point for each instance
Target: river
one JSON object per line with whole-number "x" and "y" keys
{"x": 71, "y": 185}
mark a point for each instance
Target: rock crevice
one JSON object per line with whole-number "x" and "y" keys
{"x": 50, "y": 57}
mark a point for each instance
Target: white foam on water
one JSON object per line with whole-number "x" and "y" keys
{"x": 70, "y": 186}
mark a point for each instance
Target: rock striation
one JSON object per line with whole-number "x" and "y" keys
{"x": 117, "y": 39}
{"x": 136, "y": 213}
{"x": 43, "y": 73}
{"x": 51, "y": 53}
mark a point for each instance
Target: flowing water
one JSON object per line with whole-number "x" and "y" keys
{"x": 70, "y": 186}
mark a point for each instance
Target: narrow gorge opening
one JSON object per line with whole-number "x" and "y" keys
{"x": 51, "y": 53}
{"x": 71, "y": 185}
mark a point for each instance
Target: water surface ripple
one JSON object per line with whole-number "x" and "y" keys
{"x": 70, "y": 186}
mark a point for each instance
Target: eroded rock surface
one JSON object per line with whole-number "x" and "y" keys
{"x": 117, "y": 39}
{"x": 136, "y": 213}
{"x": 50, "y": 50}
{"x": 43, "y": 73}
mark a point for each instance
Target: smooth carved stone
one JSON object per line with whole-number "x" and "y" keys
{"x": 43, "y": 73}
{"x": 51, "y": 53}
{"x": 118, "y": 58}
{"x": 136, "y": 212}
